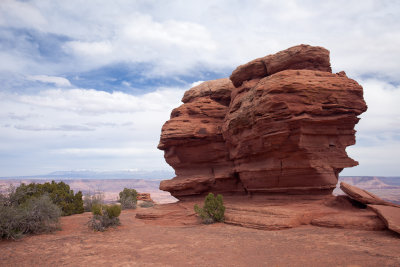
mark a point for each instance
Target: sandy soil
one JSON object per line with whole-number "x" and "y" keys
{"x": 136, "y": 243}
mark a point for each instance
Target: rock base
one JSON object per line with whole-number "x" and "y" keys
{"x": 272, "y": 212}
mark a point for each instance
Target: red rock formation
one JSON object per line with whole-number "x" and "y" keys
{"x": 283, "y": 128}
{"x": 144, "y": 197}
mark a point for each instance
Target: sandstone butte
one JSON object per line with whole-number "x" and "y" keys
{"x": 279, "y": 124}
{"x": 272, "y": 140}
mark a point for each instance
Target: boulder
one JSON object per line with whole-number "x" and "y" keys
{"x": 363, "y": 196}
{"x": 390, "y": 216}
{"x": 388, "y": 212}
{"x": 280, "y": 124}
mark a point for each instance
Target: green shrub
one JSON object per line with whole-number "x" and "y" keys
{"x": 96, "y": 209}
{"x": 213, "y": 210}
{"x": 128, "y": 198}
{"x": 146, "y": 204}
{"x": 35, "y": 215}
{"x": 113, "y": 210}
{"x": 91, "y": 199}
{"x": 78, "y": 203}
{"x": 104, "y": 216}
{"x": 60, "y": 193}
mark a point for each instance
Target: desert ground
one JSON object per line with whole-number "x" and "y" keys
{"x": 155, "y": 243}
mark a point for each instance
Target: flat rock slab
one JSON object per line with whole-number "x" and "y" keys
{"x": 364, "y": 196}
{"x": 276, "y": 212}
{"x": 168, "y": 214}
{"x": 390, "y": 215}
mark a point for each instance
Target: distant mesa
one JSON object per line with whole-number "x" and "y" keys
{"x": 90, "y": 174}
{"x": 279, "y": 124}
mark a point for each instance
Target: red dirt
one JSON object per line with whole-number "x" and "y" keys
{"x": 136, "y": 243}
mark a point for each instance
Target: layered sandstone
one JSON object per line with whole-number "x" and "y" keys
{"x": 193, "y": 143}
{"x": 280, "y": 124}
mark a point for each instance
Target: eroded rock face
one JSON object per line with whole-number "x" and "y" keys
{"x": 193, "y": 144}
{"x": 288, "y": 131}
{"x": 280, "y": 124}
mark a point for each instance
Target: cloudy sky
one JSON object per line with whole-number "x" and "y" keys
{"x": 88, "y": 84}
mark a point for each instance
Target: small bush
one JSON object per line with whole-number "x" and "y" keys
{"x": 91, "y": 199}
{"x": 213, "y": 210}
{"x": 113, "y": 210}
{"x": 104, "y": 217}
{"x": 128, "y": 198}
{"x": 146, "y": 204}
{"x": 36, "y": 215}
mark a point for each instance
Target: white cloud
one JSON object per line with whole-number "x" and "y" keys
{"x": 382, "y": 119}
{"x": 91, "y": 101}
{"x": 64, "y": 128}
{"x": 20, "y": 14}
{"x": 90, "y": 49}
{"x": 376, "y": 160}
{"x": 77, "y": 128}
{"x": 58, "y": 81}
{"x": 196, "y": 83}
{"x": 378, "y": 132}
{"x": 114, "y": 152}
{"x": 141, "y": 39}
{"x": 125, "y": 83}
{"x": 179, "y": 37}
